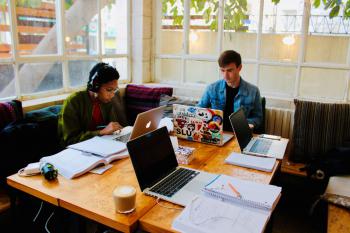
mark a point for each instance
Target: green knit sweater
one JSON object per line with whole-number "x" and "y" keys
{"x": 76, "y": 116}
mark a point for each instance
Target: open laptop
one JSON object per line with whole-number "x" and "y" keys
{"x": 157, "y": 171}
{"x": 200, "y": 124}
{"x": 145, "y": 122}
{"x": 255, "y": 145}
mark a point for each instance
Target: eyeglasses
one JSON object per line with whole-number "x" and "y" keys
{"x": 111, "y": 90}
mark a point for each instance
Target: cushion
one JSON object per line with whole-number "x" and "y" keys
{"x": 168, "y": 101}
{"x": 44, "y": 113}
{"x": 319, "y": 127}
{"x": 139, "y": 98}
{"x": 9, "y": 112}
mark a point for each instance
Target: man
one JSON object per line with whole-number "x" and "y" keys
{"x": 232, "y": 92}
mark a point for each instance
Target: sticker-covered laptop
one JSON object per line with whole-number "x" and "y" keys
{"x": 199, "y": 124}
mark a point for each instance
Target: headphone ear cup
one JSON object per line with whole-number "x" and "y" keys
{"x": 93, "y": 85}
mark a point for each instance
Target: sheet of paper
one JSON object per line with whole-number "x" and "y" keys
{"x": 174, "y": 142}
{"x": 100, "y": 170}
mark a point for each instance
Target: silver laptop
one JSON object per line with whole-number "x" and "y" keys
{"x": 157, "y": 170}
{"x": 200, "y": 124}
{"x": 145, "y": 122}
{"x": 255, "y": 145}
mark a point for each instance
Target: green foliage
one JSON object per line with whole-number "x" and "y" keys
{"x": 334, "y": 7}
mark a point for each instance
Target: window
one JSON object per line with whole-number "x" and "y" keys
{"x": 48, "y": 47}
{"x": 288, "y": 49}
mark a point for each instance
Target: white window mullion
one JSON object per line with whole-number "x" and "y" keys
{"x": 220, "y": 25}
{"x": 61, "y": 42}
{"x": 302, "y": 48}
{"x": 100, "y": 37}
{"x": 258, "y": 41}
{"x": 186, "y": 29}
{"x": 14, "y": 41}
{"x": 128, "y": 39}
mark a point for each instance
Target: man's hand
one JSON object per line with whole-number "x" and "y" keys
{"x": 111, "y": 128}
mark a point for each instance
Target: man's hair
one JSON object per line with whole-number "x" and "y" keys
{"x": 228, "y": 57}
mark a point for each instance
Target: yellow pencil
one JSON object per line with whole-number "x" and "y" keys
{"x": 234, "y": 190}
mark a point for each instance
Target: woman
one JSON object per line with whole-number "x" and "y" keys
{"x": 95, "y": 111}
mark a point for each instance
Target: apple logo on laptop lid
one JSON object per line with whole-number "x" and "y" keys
{"x": 148, "y": 124}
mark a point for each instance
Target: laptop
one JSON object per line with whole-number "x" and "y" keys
{"x": 145, "y": 122}
{"x": 157, "y": 171}
{"x": 200, "y": 124}
{"x": 255, "y": 145}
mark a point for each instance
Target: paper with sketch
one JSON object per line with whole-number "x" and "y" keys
{"x": 72, "y": 163}
{"x": 168, "y": 122}
{"x": 251, "y": 161}
{"x": 206, "y": 215}
{"x": 99, "y": 146}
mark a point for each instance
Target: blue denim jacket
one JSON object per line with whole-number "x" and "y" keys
{"x": 248, "y": 96}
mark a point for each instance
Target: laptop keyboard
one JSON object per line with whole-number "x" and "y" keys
{"x": 261, "y": 146}
{"x": 173, "y": 183}
{"x": 124, "y": 138}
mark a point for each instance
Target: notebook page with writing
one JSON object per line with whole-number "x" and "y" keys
{"x": 99, "y": 146}
{"x": 251, "y": 161}
{"x": 252, "y": 194}
{"x": 206, "y": 215}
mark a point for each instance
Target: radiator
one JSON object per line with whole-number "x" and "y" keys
{"x": 279, "y": 122}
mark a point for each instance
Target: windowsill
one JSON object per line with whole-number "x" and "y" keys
{"x": 29, "y": 105}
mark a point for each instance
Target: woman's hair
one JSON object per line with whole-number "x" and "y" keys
{"x": 101, "y": 73}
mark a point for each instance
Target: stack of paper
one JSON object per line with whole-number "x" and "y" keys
{"x": 251, "y": 161}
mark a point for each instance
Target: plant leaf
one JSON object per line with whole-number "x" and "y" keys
{"x": 334, "y": 12}
{"x": 317, "y": 3}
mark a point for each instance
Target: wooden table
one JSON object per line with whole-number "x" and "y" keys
{"x": 211, "y": 159}
{"x": 90, "y": 195}
{"x": 338, "y": 219}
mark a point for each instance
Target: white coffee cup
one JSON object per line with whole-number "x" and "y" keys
{"x": 124, "y": 198}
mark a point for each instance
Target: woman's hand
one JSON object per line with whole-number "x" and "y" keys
{"x": 111, "y": 128}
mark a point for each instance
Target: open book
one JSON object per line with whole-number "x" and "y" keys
{"x": 251, "y": 161}
{"x": 243, "y": 207}
{"x": 80, "y": 158}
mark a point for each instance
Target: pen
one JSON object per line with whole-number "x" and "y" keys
{"x": 234, "y": 190}
{"x": 101, "y": 126}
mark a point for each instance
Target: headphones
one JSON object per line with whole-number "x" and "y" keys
{"x": 96, "y": 73}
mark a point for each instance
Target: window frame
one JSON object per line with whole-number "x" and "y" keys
{"x": 62, "y": 56}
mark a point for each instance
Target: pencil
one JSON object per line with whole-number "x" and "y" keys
{"x": 234, "y": 190}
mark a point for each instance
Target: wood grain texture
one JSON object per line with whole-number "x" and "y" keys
{"x": 338, "y": 219}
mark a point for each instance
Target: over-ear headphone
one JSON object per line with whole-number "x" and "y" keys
{"x": 94, "y": 83}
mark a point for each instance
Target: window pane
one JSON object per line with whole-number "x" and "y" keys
{"x": 203, "y": 28}
{"x": 323, "y": 83}
{"x": 277, "y": 79}
{"x": 81, "y": 37}
{"x": 325, "y": 33}
{"x": 5, "y": 33}
{"x": 248, "y": 72}
{"x": 168, "y": 70}
{"x": 114, "y": 27}
{"x": 281, "y": 30}
{"x": 169, "y": 40}
{"x": 38, "y": 77}
{"x": 79, "y": 72}
{"x": 241, "y": 35}
{"x": 121, "y": 64}
{"x": 7, "y": 85}
{"x": 36, "y": 22}
{"x": 201, "y": 71}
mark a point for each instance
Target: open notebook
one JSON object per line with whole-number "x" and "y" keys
{"x": 222, "y": 210}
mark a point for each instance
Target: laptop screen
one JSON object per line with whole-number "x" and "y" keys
{"x": 241, "y": 128}
{"x": 152, "y": 156}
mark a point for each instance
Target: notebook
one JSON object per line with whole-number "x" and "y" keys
{"x": 255, "y": 145}
{"x": 338, "y": 191}
{"x": 145, "y": 122}
{"x": 154, "y": 161}
{"x": 256, "y": 195}
{"x": 219, "y": 210}
{"x": 251, "y": 161}
{"x": 200, "y": 124}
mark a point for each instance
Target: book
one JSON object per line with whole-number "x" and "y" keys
{"x": 229, "y": 205}
{"x": 251, "y": 161}
{"x": 72, "y": 163}
{"x": 338, "y": 191}
{"x": 243, "y": 192}
{"x": 99, "y": 146}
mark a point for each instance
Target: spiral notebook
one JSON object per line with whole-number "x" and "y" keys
{"x": 243, "y": 192}
{"x": 229, "y": 205}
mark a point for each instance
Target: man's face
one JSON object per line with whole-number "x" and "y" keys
{"x": 230, "y": 73}
{"x": 107, "y": 91}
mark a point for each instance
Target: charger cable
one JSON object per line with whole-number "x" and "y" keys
{"x": 47, "y": 221}
{"x": 37, "y": 214}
